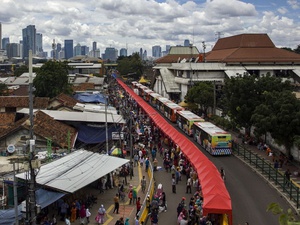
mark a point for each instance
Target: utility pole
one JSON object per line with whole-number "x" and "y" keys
{"x": 15, "y": 196}
{"x": 106, "y": 129}
{"x": 31, "y": 194}
{"x": 204, "y": 47}
{"x": 215, "y": 96}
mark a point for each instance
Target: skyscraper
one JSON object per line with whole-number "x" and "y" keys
{"x": 94, "y": 46}
{"x": 68, "y": 49}
{"x": 5, "y": 41}
{"x": 156, "y": 51}
{"x": 12, "y": 50}
{"x": 29, "y": 40}
{"x": 123, "y": 52}
{"x": 111, "y": 54}
{"x": 168, "y": 48}
{"x": 39, "y": 44}
{"x": 77, "y": 50}
{"x": 186, "y": 43}
{"x": 0, "y": 36}
{"x": 141, "y": 53}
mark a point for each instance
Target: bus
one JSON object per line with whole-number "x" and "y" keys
{"x": 147, "y": 93}
{"x": 170, "y": 109}
{"x": 153, "y": 99}
{"x": 185, "y": 120}
{"x": 160, "y": 105}
{"x": 212, "y": 138}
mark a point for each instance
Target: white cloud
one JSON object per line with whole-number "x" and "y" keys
{"x": 144, "y": 23}
{"x": 294, "y": 4}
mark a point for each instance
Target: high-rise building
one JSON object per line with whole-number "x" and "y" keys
{"x": 0, "y": 36}
{"x": 94, "y": 46}
{"x": 77, "y": 50}
{"x": 145, "y": 55}
{"x": 156, "y": 51}
{"x": 141, "y": 53}
{"x": 39, "y": 44}
{"x": 5, "y": 41}
{"x": 68, "y": 48}
{"x": 29, "y": 40}
{"x": 123, "y": 52}
{"x": 186, "y": 43}
{"x": 84, "y": 50}
{"x": 12, "y": 50}
{"x": 168, "y": 48}
{"x": 110, "y": 54}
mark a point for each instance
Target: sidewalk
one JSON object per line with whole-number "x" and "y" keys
{"x": 292, "y": 166}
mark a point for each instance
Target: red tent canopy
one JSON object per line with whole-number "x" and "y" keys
{"x": 215, "y": 195}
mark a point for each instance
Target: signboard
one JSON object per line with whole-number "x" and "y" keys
{"x": 117, "y": 135}
{"x": 11, "y": 148}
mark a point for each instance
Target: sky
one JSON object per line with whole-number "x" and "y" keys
{"x": 135, "y": 24}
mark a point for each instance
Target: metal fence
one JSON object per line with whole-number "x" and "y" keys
{"x": 274, "y": 176}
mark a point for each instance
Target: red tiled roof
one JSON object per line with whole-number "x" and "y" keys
{"x": 173, "y": 58}
{"x": 65, "y": 100}
{"x": 84, "y": 87}
{"x": 250, "y": 48}
{"x": 23, "y": 101}
{"x": 6, "y": 120}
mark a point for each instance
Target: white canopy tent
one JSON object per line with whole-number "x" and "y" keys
{"x": 75, "y": 170}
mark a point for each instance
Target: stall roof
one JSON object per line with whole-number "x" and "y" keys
{"x": 76, "y": 170}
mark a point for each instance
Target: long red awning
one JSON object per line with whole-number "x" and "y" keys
{"x": 215, "y": 195}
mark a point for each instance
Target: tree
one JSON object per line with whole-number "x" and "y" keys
{"x": 201, "y": 93}
{"x": 285, "y": 218}
{"x": 52, "y": 79}
{"x": 3, "y": 89}
{"x": 244, "y": 93}
{"x": 297, "y": 50}
{"x": 279, "y": 114}
{"x": 130, "y": 65}
{"x": 22, "y": 69}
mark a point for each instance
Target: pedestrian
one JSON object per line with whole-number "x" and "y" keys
{"x": 189, "y": 185}
{"x": 134, "y": 195}
{"x": 130, "y": 196}
{"x": 164, "y": 200}
{"x": 100, "y": 218}
{"x": 136, "y": 159}
{"x": 116, "y": 201}
{"x": 54, "y": 221}
{"x": 287, "y": 175}
{"x": 143, "y": 184}
{"x": 136, "y": 221}
{"x": 63, "y": 210}
{"x": 138, "y": 205}
{"x": 88, "y": 214}
{"x": 82, "y": 215}
{"x": 67, "y": 220}
{"x": 142, "y": 161}
{"x": 73, "y": 213}
{"x": 147, "y": 162}
{"x": 155, "y": 163}
{"x": 120, "y": 221}
{"x": 126, "y": 221}
{"x": 173, "y": 184}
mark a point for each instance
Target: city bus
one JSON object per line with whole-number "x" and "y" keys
{"x": 185, "y": 120}
{"x": 153, "y": 99}
{"x": 160, "y": 105}
{"x": 141, "y": 89}
{"x": 147, "y": 93}
{"x": 212, "y": 138}
{"x": 170, "y": 109}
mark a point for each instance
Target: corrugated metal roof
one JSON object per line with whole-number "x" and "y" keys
{"x": 76, "y": 170}
{"x": 175, "y": 50}
{"x": 98, "y": 117}
{"x": 235, "y": 73}
{"x": 168, "y": 79}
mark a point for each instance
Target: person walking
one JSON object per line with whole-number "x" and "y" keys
{"x": 138, "y": 205}
{"x": 173, "y": 184}
{"x": 189, "y": 186}
{"x": 287, "y": 176}
{"x": 120, "y": 221}
{"x": 100, "y": 218}
{"x": 117, "y": 205}
{"x": 88, "y": 214}
{"x": 82, "y": 215}
{"x": 130, "y": 197}
{"x": 134, "y": 195}
{"x": 143, "y": 184}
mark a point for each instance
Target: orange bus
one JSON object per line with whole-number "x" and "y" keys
{"x": 170, "y": 109}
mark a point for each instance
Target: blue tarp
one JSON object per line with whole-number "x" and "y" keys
{"x": 94, "y": 135}
{"x": 90, "y": 98}
{"x": 43, "y": 198}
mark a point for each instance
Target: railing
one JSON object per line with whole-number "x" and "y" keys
{"x": 143, "y": 213}
{"x": 289, "y": 187}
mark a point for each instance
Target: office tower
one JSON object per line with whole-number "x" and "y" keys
{"x": 168, "y": 48}
{"x": 145, "y": 55}
{"x": 156, "y": 51}
{"x": 84, "y": 50}
{"x": 141, "y": 53}
{"x": 97, "y": 53}
{"x": 29, "y": 40}
{"x": 5, "y": 41}
{"x": 77, "y": 50}
{"x": 21, "y": 49}
{"x": 111, "y": 54}
{"x": 68, "y": 48}
{"x": 39, "y": 44}
{"x": 186, "y": 43}
{"x": 123, "y": 52}
{"x": 12, "y": 50}
{"x": 1, "y": 36}
{"x": 94, "y": 46}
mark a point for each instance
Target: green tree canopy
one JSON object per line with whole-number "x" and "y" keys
{"x": 201, "y": 93}
{"x": 279, "y": 114}
{"x": 3, "y": 89}
{"x": 130, "y": 65}
{"x": 52, "y": 79}
{"x": 244, "y": 93}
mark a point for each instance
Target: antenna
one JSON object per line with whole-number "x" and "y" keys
{"x": 218, "y": 35}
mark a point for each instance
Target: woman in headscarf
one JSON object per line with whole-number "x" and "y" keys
{"x": 101, "y": 213}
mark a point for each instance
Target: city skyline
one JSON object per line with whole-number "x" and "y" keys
{"x": 143, "y": 24}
